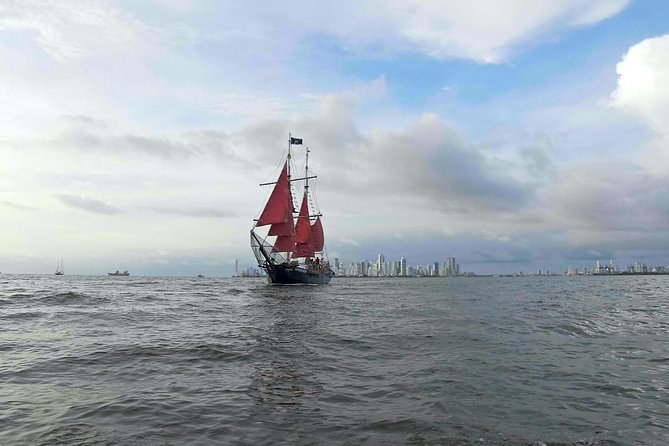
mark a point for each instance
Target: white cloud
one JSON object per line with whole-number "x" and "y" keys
{"x": 68, "y": 30}
{"x": 490, "y": 31}
{"x": 643, "y": 82}
{"x": 483, "y": 30}
{"x": 487, "y": 31}
{"x": 643, "y": 90}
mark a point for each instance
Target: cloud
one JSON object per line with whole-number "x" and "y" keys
{"x": 194, "y": 211}
{"x": 89, "y": 204}
{"x": 643, "y": 82}
{"x": 427, "y": 161}
{"x": 486, "y": 31}
{"x": 489, "y": 31}
{"x": 609, "y": 204}
{"x": 17, "y": 206}
{"x": 86, "y": 134}
{"x": 67, "y": 30}
{"x": 643, "y": 91}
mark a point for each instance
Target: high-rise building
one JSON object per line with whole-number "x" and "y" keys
{"x": 380, "y": 264}
{"x": 598, "y": 268}
{"x": 613, "y": 268}
{"x": 403, "y": 266}
{"x": 452, "y": 268}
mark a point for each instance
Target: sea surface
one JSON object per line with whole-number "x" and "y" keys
{"x": 442, "y": 361}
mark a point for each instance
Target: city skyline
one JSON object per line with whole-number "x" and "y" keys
{"x": 514, "y": 136}
{"x": 450, "y": 268}
{"x": 396, "y": 268}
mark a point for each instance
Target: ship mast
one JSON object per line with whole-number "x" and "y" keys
{"x": 290, "y": 141}
{"x": 306, "y": 172}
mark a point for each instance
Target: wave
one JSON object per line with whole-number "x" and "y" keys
{"x": 71, "y": 298}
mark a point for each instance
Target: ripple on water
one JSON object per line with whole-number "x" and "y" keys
{"x": 70, "y": 298}
{"x": 523, "y": 361}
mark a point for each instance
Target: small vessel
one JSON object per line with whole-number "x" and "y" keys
{"x": 60, "y": 269}
{"x": 293, "y": 248}
{"x": 200, "y": 276}
{"x": 118, "y": 273}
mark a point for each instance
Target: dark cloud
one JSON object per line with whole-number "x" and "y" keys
{"x": 88, "y": 204}
{"x": 428, "y": 161}
{"x": 610, "y": 197}
{"x": 86, "y": 134}
{"x": 538, "y": 156}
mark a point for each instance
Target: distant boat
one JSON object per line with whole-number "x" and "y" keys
{"x": 293, "y": 249}
{"x": 200, "y": 276}
{"x": 118, "y": 273}
{"x": 60, "y": 269}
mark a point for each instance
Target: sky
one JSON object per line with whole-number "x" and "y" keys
{"x": 515, "y": 136}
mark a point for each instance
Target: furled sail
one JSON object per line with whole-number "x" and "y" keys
{"x": 303, "y": 239}
{"x": 317, "y": 235}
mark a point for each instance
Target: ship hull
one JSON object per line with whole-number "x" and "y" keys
{"x": 287, "y": 274}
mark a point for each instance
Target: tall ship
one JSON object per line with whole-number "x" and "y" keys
{"x": 288, "y": 244}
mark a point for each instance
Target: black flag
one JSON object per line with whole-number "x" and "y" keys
{"x": 295, "y": 140}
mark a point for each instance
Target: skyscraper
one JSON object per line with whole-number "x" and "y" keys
{"x": 380, "y": 264}
{"x": 452, "y": 268}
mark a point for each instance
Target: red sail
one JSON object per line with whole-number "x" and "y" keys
{"x": 278, "y": 203}
{"x": 317, "y": 235}
{"x": 284, "y": 243}
{"x": 303, "y": 240}
{"x": 284, "y": 228}
{"x": 303, "y": 250}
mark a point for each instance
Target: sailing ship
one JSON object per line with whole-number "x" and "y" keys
{"x": 293, "y": 248}
{"x": 118, "y": 273}
{"x": 60, "y": 269}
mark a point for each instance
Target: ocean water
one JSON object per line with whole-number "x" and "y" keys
{"x": 443, "y": 361}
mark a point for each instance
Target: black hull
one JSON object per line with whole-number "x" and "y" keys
{"x": 287, "y": 274}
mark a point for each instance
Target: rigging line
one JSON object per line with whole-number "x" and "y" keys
{"x": 313, "y": 194}
{"x": 277, "y": 169}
